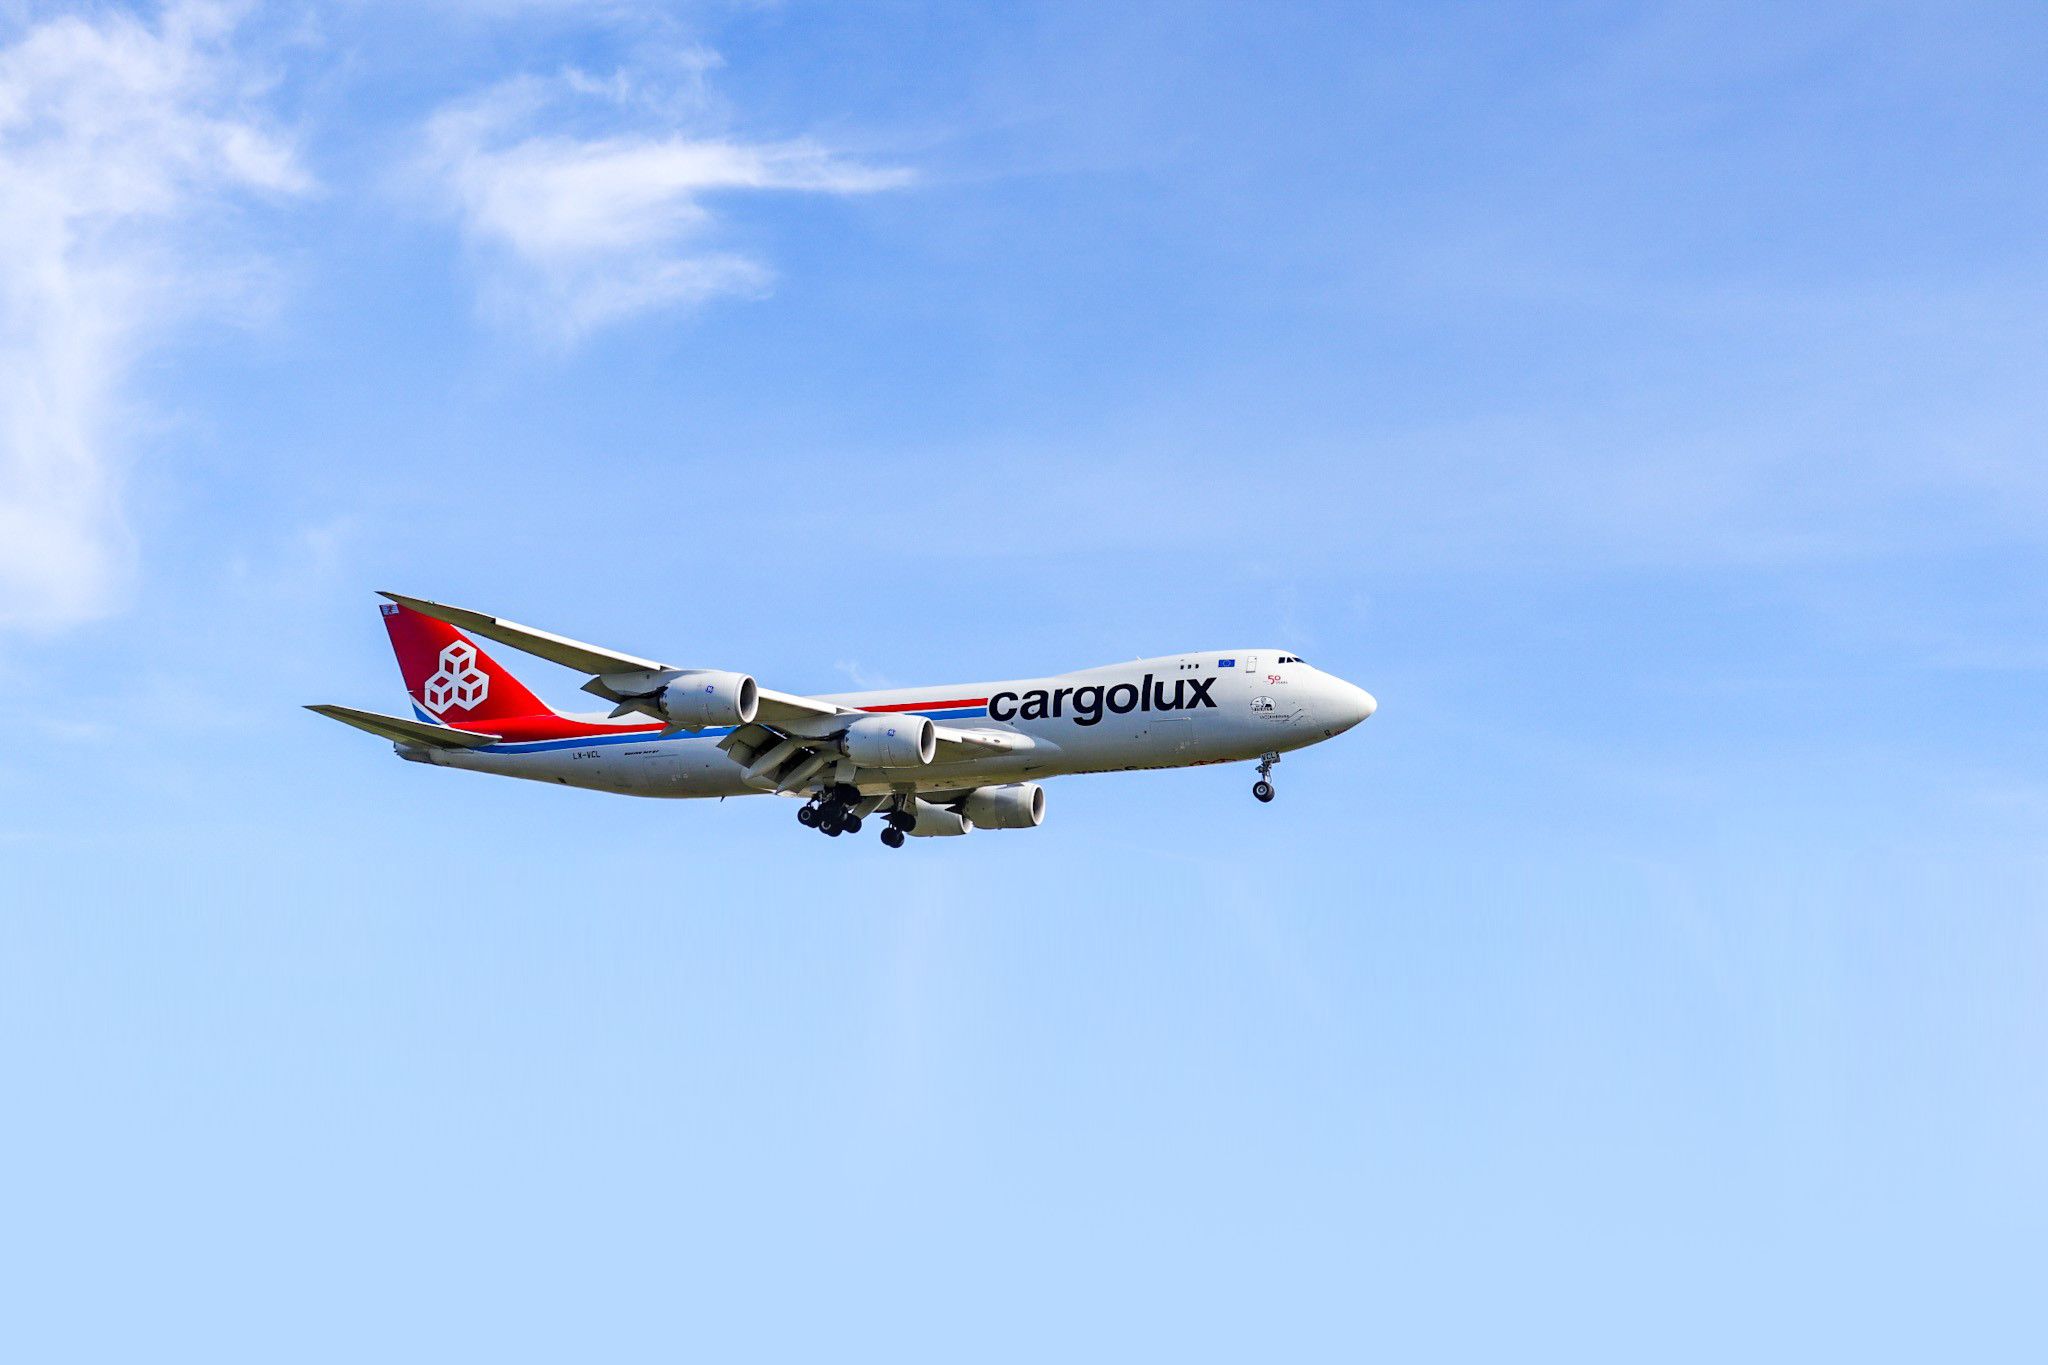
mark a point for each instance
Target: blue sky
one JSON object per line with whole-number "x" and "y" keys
{"x": 1643, "y": 401}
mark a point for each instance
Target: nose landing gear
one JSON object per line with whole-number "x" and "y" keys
{"x": 1263, "y": 788}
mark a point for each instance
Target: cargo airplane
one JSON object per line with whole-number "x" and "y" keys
{"x": 926, "y": 761}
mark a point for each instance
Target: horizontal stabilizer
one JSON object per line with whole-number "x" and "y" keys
{"x": 403, "y": 731}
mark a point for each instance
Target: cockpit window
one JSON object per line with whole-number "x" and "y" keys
{"x": 1290, "y": 659}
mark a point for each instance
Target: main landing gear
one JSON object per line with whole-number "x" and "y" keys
{"x": 1263, "y": 788}
{"x": 832, "y": 813}
{"x": 836, "y": 811}
{"x": 898, "y": 824}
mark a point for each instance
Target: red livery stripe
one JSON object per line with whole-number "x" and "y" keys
{"x": 929, "y": 705}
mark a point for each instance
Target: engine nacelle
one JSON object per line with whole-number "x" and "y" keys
{"x": 1015, "y": 805}
{"x": 891, "y": 741}
{"x": 696, "y": 700}
{"x": 937, "y": 822}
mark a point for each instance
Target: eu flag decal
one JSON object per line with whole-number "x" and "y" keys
{"x": 1226, "y": 663}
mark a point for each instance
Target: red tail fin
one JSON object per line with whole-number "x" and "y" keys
{"x": 449, "y": 676}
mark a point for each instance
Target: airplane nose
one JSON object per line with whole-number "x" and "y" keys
{"x": 1352, "y": 705}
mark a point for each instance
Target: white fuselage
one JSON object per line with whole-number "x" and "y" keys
{"x": 1179, "y": 710}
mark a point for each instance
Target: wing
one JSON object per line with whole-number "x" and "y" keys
{"x": 616, "y": 675}
{"x": 790, "y": 758}
{"x": 556, "y": 648}
{"x": 405, "y": 731}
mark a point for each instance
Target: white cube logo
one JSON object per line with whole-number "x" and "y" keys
{"x": 459, "y": 683}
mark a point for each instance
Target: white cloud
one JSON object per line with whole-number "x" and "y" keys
{"x": 578, "y": 231}
{"x": 115, "y": 136}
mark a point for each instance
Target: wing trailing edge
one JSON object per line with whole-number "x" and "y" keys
{"x": 546, "y": 644}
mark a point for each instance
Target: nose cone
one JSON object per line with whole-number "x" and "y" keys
{"x": 1349, "y": 705}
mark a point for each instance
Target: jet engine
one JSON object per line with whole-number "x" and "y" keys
{"x": 1015, "y": 805}
{"x": 703, "y": 698}
{"x": 937, "y": 822}
{"x": 891, "y": 741}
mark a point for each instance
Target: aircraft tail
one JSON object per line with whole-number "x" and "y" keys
{"x": 451, "y": 679}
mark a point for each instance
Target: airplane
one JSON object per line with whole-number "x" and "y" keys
{"x": 929, "y": 761}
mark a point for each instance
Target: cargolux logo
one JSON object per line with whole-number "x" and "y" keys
{"x": 459, "y": 683}
{"x": 1090, "y": 702}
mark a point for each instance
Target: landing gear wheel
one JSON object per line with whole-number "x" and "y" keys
{"x": 835, "y": 829}
{"x": 1263, "y": 788}
{"x": 808, "y": 817}
{"x": 893, "y": 837}
{"x": 851, "y": 824}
